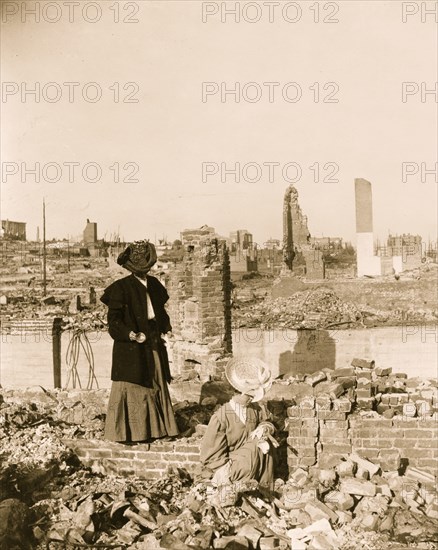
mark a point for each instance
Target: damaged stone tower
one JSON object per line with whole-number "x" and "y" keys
{"x": 296, "y": 240}
{"x": 290, "y": 197}
{"x": 200, "y": 307}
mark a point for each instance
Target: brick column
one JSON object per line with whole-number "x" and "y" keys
{"x": 200, "y": 306}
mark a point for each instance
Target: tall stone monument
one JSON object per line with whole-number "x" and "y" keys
{"x": 367, "y": 262}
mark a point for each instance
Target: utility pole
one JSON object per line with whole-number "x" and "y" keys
{"x": 56, "y": 351}
{"x": 44, "y": 251}
{"x": 68, "y": 253}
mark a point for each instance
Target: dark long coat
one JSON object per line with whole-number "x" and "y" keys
{"x": 127, "y": 303}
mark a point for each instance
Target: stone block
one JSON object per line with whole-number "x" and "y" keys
{"x": 323, "y": 403}
{"x": 315, "y": 378}
{"x": 363, "y": 363}
{"x": 305, "y": 401}
{"x": 357, "y": 487}
{"x": 369, "y": 522}
{"x": 366, "y": 403}
{"x": 390, "y": 459}
{"x": 230, "y": 543}
{"x": 363, "y": 393}
{"x": 299, "y": 477}
{"x": 328, "y": 460}
{"x": 361, "y": 473}
{"x": 343, "y": 372}
{"x": 268, "y": 543}
{"x": 331, "y": 415}
{"x": 382, "y": 371}
{"x": 297, "y": 498}
{"x": 346, "y": 468}
{"x": 342, "y": 405}
{"x": 318, "y": 510}
{"x": 365, "y": 464}
{"x": 340, "y": 501}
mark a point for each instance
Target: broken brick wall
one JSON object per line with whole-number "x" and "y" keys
{"x": 326, "y": 419}
{"x": 149, "y": 461}
{"x": 394, "y": 424}
{"x": 200, "y": 307}
{"x": 24, "y": 327}
{"x": 415, "y": 439}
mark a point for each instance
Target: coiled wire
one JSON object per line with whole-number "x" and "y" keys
{"x": 79, "y": 340}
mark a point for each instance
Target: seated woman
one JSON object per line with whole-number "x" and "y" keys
{"x": 237, "y": 445}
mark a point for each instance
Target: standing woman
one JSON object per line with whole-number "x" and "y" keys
{"x": 139, "y": 407}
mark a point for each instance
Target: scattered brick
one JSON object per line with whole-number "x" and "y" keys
{"x": 363, "y": 363}
{"x": 359, "y": 487}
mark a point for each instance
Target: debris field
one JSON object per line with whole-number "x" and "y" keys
{"x": 328, "y": 499}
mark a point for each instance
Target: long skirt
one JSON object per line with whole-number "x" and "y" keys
{"x": 248, "y": 462}
{"x": 136, "y": 413}
{"x": 245, "y": 464}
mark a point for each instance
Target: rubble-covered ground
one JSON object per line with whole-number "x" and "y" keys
{"x": 347, "y": 303}
{"x": 318, "y": 308}
{"x": 344, "y": 303}
{"x": 48, "y": 500}
{"x": 22, "y": 296}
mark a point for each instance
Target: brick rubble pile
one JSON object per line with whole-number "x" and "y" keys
{"x": 319, "y": 308}
{"x": 357, "y": 466}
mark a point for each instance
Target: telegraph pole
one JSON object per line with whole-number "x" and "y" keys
{"x": 68, "y": 254}
{"x": 44, "y": 251}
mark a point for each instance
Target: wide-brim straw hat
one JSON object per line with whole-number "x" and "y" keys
{"x": 249, "y": 376}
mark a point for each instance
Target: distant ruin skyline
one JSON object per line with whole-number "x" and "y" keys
{"x": 111, "y": 236}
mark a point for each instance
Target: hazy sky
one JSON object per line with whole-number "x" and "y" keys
{"x": 169, "y": 132}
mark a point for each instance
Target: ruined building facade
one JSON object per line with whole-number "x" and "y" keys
{"x": 14, "y": 230}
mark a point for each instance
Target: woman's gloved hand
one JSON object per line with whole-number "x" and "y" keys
{"x": 264, "y": 433}
{"x": 264, "y": 447}
{"x": 258, "y": 433}
{"x": 138, "y": 337}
